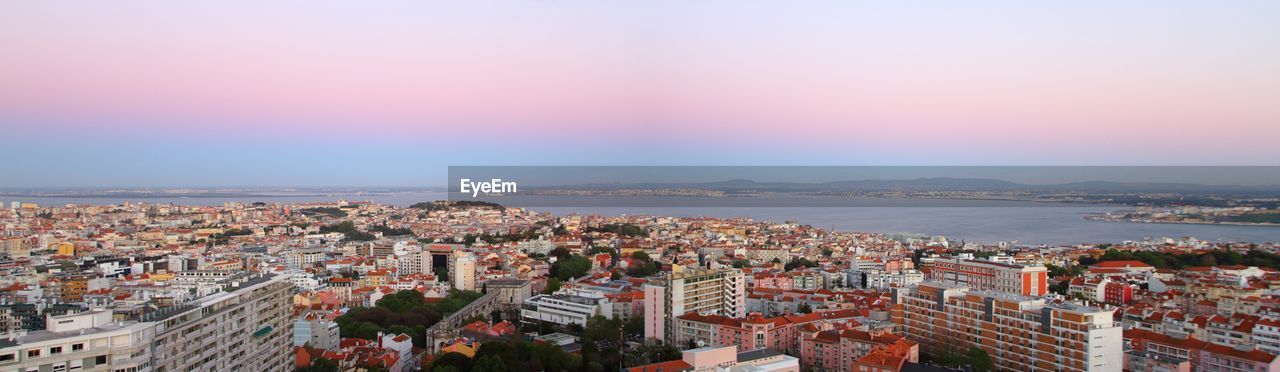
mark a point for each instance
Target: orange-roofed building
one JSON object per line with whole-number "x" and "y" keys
{"x": 462, "y": 346}
{"x": 1126, "y": 267}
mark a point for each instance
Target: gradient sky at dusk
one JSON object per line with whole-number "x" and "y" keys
{"x": 217, "y": 93}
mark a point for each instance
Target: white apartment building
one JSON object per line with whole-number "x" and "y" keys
{"x": 316, "y": 331}
{"x": 880, "y": 279}
{"x": 414, "y": 262}
{"x": 686, "y": 291}
{"x": 305, "y": 281}
{"x": 246, "y": 329}
{"x": 303, "y": 258}
{"x": 1266, "y": 336}
{"x": 462, "y": 271}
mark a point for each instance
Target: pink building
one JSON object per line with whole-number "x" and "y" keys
{"x": 755, "y": 331}
{"x": 723, "y": 358}
{"x": 1116, "y": 293}
{"x": 849, "y": 349}
{"x": 774, "y": 281}
{"x": 1200, "y": 355}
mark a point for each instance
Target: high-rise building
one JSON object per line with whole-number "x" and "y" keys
{"x": 991, "y": 276}
{"x": 1021, "y": 333}
{"x": 462, "y": 271}
{"x": 14, "y": 247}
{"x": 243, "y": 329}
{"x": 684, "y": 291}
{"x": 414, "y": 262}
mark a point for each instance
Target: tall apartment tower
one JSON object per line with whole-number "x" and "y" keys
{"x": 462, "y": 271}
{"x": 991, "y": 276}
{"x": 14, "y": 247}
{"x": 1021, "y": 333}
{"x": 246, "y": 328}
{"x": 683, "y": 291}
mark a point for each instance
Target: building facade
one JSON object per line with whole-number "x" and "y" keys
{"x": 685, "y": 291}
{"x": 568, "y": 306}
{"x": 1019, "y": 332}
{"x": 991, "y": 276}
{"x": 246, "y": 328}
{"x": 462, "y": 271}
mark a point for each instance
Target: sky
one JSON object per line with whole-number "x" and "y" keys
{"x": 390, "y": 93}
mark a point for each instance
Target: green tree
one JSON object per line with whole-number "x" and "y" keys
{"x": 501, "y": 349}
{"x": 601, "y": 329}
{"x": 553, "y": 285}
{"x": 571, "y": 267}
{"x": 640, "y": 271}
{"x": 979, "y": 360}
{"x": 634, "y": 326}
{"x": 799, "y": 262}
{"x": 490, "y": 363}
{"x": 451, "y": 359}
{"x": 402, "y": 301}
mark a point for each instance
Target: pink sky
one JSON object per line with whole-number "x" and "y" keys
{"x": 1149, "y": 76}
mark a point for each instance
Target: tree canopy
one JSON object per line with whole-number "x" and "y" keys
{"x": 402, "y": 312}
{"x": 1165, "y": 260}
{"x": 625, "y": 229}
{"x": 571, "y": 267}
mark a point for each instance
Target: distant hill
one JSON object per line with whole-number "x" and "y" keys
{"x": 937, "y": 184}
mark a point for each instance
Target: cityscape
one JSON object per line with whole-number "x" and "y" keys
{"x": 444, "y": 286}
{"x": 657, "y": 186}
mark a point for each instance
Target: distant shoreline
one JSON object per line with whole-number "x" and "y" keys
{"x": 1099, "y": 218}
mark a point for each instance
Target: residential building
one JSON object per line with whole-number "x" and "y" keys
{"x": 684, "y": 291}
{"x": 1201, "y": 355}
{"x": 14, "y": 247}
{"x": 462, "y": 271}
{"x": 991, "y": 276}
{"x": 842, "y": 349}
{"x": 1019, "y": 332}
{"x": 314, "y": 330}
{"x": 881, "y": 279}
{"x": 245, "y": 328}
{"x": 753, "y": 332}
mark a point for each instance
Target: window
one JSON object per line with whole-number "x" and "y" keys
{"x": 6, "y": 357}
{"x": 101, "y": 359}
{"x": 77, "y": 347}
{"x": 33, "y": 353}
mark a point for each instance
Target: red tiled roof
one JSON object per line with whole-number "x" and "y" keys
{"x": 1121, "y": 264}
{"x": 671, "y": 366}
{"x": 1253, "y": 355}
